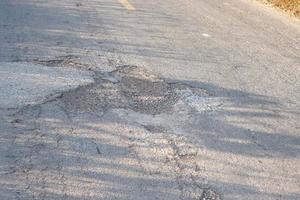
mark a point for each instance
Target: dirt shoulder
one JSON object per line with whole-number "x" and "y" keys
{"x": 290, "y": 6}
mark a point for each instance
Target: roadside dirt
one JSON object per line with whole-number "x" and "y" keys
{"x": 290, "y": 6}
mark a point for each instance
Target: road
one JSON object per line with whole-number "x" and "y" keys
{"x": 134, "y": 99}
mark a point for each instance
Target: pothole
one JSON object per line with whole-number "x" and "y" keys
{"x": 131, "y": 87}
{"x": 62, "y": 61}
{"x": 128, "y": 87}
{"x": 145, "y": 92}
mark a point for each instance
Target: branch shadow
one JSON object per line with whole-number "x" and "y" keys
{"x": 108, "y": 158}
{"x": 53, "y": 160}
{"x": 92, "y": 30}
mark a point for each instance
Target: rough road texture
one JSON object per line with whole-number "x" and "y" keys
{"x": 189, "y": 100}
{"x": 91, "y": 142}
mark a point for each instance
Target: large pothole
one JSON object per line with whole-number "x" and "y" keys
{"x": 134, "y": 88}
{"x": 128, "y": 87}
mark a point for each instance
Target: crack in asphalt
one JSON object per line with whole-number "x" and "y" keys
{"x": 128, "y": 87}
{"x": 63, "y": 61}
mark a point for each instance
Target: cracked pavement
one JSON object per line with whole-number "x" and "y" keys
{"x": 187, "y": 100}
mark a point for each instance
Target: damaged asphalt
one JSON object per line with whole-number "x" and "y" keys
{"x": 186, "y": 100}
{"x": 45, "y": 140}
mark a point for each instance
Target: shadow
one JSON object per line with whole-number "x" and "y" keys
{"x": 98, "y": 29}
{"x": 247, "y": 143}
{"x": 244, "y": 124}
{"x": 64, "y": 28}
{"x": 54, "y": 155}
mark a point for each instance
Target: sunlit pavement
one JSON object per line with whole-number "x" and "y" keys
{"x": 133, "y": 99}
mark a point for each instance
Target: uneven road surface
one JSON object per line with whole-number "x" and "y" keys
{"x": 136, "y": 99}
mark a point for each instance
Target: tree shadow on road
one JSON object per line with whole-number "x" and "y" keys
{"x": 54, "y": 155}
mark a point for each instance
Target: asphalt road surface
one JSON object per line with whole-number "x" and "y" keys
{"x": 135, "y": 99}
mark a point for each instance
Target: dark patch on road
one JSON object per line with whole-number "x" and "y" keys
{"x": 63, "y": 61}
{"x": 128, "y": 87}
{"x": 146, "y": 92}
{"x": 155, "y": 129}
{"x": 210, "y": 194}
{"x": 98, "y": 150}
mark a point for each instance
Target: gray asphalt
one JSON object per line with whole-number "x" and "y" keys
{"x": 108, "y": 99}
